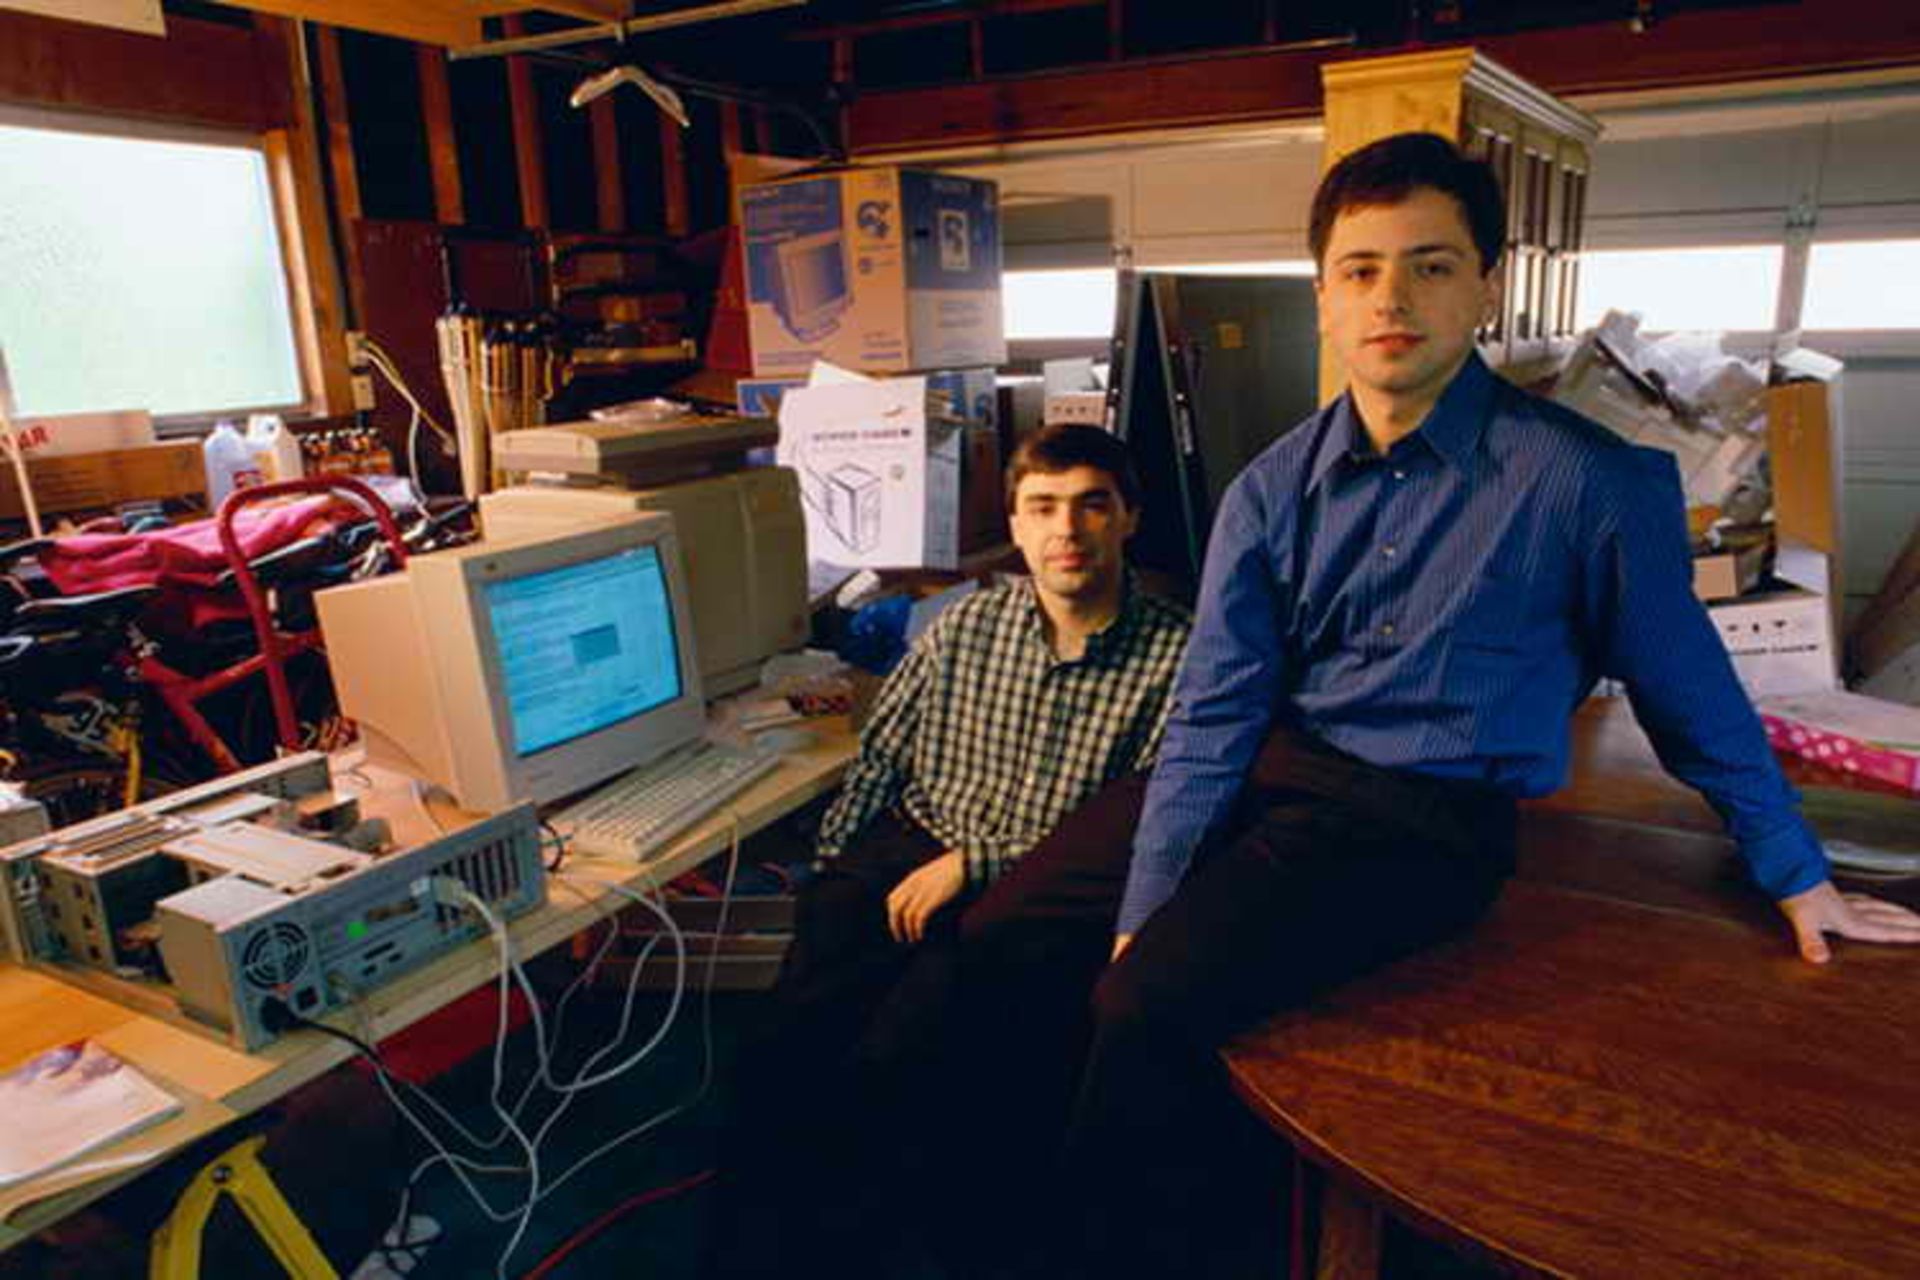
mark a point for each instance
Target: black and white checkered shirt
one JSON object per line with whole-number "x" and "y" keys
{"x": 986, "y": 739}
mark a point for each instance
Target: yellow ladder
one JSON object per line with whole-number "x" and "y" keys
{"x": 237, "y": 1173}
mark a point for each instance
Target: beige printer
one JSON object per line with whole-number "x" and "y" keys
{"x": 743, "y": 540}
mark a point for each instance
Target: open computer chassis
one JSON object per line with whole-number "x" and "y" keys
{"x": 221, "y": 903}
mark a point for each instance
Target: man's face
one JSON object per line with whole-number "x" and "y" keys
{"x": 1402, "y": 292}
{"x": 1072, "y": 526}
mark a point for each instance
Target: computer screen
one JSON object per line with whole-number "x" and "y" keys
{"x": 584, "y": 646}
{"x": 522, "y": 670}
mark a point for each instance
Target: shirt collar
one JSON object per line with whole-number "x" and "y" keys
{"x": 1452, "y": 429}
{"x": 1102, "y": 642}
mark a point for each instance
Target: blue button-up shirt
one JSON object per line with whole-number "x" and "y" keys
{"x": 1443, "y": 608}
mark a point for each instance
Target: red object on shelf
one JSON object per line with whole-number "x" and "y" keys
{"x": 727, "y": 346}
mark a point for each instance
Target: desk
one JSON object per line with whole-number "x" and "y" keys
{"x": 218, "y": 1083}
{"x": 1624, "y": 1071}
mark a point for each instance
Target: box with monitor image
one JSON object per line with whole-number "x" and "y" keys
{"x": 881, "y": 269}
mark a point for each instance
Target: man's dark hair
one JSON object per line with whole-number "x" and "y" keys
{"x": 1064, "y": 446}
{"x": 1390, "y": 170}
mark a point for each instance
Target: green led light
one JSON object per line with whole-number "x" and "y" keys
{"x": 357, "y": 930}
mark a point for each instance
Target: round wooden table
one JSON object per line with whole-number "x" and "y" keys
{"x": 1625, "y": 1071}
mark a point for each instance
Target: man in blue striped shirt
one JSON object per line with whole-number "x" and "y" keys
{"x": 1404, "y": 600}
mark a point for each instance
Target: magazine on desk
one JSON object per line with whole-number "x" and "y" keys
{"x": 68, "y": 1100}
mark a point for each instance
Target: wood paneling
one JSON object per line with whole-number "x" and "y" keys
{"x": 203, "y": 73}
{"x": 1713, "y": 47}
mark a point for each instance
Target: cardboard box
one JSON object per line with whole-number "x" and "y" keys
{"x": 1803, "y": 445}
{"x": 1781, "y": 642}
{"x": 1085, "y": 407}
{"x": 1723, "y": 575}
{"x": 880, "y": 270}
{"x": 1844, "y": 731}
{"x": 89, "y": 481}
{"x": 73, "y": 433}
{"x": 880, "y": 480}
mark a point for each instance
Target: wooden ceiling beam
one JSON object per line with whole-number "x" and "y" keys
{"x": 445, "y": 22}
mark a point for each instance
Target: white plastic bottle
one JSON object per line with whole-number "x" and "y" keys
{"x": 230, "y": 463}
{"x": 274, "y": 448}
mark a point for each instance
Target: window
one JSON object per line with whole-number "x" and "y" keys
{"x": 1863, "y": 284}
{"x": 143, "y": 270}
{"x": 1054, "y": 305}
{"x": 1722, "y": 287}
{"x": 1060, "y": 304}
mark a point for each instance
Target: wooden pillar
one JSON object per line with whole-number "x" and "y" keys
{"x": 337, "y": 124}
{"x": 610, "y": 192}
{"x": 673, "y": 176}
{"x": 443, "y": 152}
{"x": 529, "y": 161}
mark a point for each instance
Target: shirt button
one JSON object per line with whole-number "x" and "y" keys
{"x": 1398, "y": 474}
{"x": 1389, "y": 551}
{"x": 1386, "y": 629}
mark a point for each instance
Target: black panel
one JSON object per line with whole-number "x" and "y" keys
{"x": 1023, "y": 42}
{"x": 917, "y": 55}
{"x": 1215, "y": 368}
{"x": 389, "y": 130}
{"x": 483, "y": 135}
{"x": 566, "y": 137}
{"x": 1153, "y": 27}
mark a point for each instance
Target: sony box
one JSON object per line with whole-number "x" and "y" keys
{"x": 879, "y": 270}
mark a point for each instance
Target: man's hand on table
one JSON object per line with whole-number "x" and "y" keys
{"x": 1823, "y": 909}
{"x": 915, "y": 899}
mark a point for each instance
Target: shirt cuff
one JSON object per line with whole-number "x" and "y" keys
{"x": 1786, "y": 860}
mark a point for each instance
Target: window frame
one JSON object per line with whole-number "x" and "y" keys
{"x": 291, "y": 195}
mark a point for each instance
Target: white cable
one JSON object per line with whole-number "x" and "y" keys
{"x": 381, "y": 361}
{"x": 547, "y": 1046}
{"x": 706, "y": 1071}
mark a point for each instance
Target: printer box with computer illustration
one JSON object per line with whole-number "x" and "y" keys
{"x": 879, "y": 472}
{"x": 880, "y": 270}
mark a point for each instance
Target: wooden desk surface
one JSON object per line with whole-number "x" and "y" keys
{"x": 1624, "y": 1071}
{"x": 218, "y": 1083}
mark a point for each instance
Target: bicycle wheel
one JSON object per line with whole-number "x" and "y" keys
{"x": 73, "y": 792}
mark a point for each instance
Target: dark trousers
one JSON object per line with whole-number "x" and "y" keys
{"x": 1331, "y": 868}
{"x": 811, "y": 1174}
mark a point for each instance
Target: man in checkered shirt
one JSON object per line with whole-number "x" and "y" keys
{"x": 1013, "y": 709}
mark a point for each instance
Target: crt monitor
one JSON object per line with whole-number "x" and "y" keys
{"x": 524, "y": 670}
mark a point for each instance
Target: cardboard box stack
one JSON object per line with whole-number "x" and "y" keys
{"x": 1758, "y": 452}
{"x": 878, "y": 272}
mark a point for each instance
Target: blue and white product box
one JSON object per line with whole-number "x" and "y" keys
{"x": 879, "y": 270}
{"x": 879, "y": 481}
{"x": 760, "y": 397}
{"x": 971, "y": 395}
